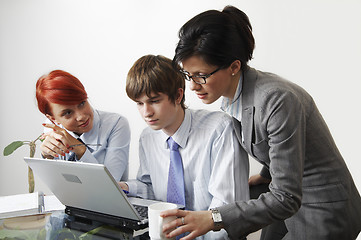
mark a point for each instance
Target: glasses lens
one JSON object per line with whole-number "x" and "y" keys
{"x": 199, "y": 80}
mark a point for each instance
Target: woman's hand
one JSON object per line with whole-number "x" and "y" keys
{"x": 58, "y": 142}
{"x": 197, "y": 223}
{"x": 257, "y": 179}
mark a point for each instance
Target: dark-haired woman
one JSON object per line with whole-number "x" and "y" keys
{"x": 72, "y": 122}
{"x": 279, "y": 125}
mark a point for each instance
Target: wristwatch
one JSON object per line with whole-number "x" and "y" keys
{"x": 217, "y": 219}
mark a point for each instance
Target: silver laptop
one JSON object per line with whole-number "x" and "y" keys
{"x": 89, "y": 191}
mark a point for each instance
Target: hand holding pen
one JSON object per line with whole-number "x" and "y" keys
{"x": 58, "y": 142}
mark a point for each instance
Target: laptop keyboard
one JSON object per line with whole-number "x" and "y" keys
{"x": 142, "y": 210}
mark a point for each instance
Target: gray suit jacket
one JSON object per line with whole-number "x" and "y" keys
{"x": 311, "y": 186}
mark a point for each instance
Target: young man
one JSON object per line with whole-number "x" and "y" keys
{"x": 213, "y": 174}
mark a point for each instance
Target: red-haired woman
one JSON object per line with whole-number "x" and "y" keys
{"x": 72, "y": 122}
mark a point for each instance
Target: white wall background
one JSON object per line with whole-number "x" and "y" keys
{"x": 315, "y": 43}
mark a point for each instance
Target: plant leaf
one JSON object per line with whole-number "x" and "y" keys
{"x": 9, "y": 149}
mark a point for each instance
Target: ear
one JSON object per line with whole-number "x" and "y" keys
{"x": 235, "y": 67}
{"x": 180, "y": 94}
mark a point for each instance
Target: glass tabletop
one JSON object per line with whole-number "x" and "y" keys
{"x": 58, "y": 225}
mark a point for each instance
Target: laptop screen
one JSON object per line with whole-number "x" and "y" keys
{"x": 83, "y": 185}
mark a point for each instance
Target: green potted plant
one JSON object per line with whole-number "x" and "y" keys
{"x": 15, "y": 145}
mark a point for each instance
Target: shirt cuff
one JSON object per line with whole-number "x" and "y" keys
{"x": 87, "y": 157}
{"x": 227, "y": 212}
{"x": 132, "y": 188}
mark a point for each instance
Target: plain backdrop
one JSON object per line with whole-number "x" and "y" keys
{"x": 314, "y": 43}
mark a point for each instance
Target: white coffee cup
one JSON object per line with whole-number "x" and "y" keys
{"x": 156, "y": 222}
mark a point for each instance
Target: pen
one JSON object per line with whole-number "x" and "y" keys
{"x": 85, "y": 144}
{"x": 52, "y": 122}
{"x": 76, "y": 145}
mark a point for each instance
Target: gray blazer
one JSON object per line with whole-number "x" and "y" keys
{"x": 311, "y": 186}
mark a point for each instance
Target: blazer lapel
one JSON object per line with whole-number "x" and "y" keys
{"x": 247, "y": 128}
{"x": 249, "y": 80}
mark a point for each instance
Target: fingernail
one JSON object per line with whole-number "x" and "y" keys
{"x": 43, "y": 124}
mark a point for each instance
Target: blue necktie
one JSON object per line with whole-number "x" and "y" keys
{"x": 175, "y": 190}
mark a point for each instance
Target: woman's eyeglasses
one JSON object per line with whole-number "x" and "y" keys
{"x": 199, "y": 79}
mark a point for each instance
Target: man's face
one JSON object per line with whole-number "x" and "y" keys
{"x": 159, "y": 112}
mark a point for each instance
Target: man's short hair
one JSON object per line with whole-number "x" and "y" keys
{"x": 155, "y": 74}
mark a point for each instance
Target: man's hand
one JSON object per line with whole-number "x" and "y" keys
{"x": 123, "y": 186}
{"x": 197, "y": 223}
{"x": 257, "y": 179}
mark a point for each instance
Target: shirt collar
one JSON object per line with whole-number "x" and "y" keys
{"x": 181, "y": 135}
{"x": 226, "y": 102}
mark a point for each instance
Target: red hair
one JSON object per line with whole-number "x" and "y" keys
{"x": 59, "y": 87}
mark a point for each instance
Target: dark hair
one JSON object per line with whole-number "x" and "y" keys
{"x": 219, "y": 38}
{"x": 155, "y": 74}
{"x": 58, "y": 87}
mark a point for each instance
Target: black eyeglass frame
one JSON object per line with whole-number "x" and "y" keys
{"x": 188, "y": 77}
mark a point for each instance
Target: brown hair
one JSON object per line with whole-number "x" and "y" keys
{"x": 155, "y": 74}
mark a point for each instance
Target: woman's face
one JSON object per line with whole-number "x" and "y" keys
{"x": 221, "y": 83}
{"x": 76, "y": 118}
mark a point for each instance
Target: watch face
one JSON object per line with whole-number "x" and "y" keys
{"x": 217, "y": 217}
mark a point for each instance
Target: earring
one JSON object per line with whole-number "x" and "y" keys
{"x": 232, "y": 74}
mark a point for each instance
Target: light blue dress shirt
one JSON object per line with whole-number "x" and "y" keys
{"x": 112, "y": 131}
{"x": 214, "y": 171}
{"x": 234, "y": 107}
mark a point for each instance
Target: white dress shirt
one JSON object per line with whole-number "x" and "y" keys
{"x": 214, "y": 171}
{"x": 112, "y": 131}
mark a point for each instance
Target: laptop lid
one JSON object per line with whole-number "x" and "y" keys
{"x": 84, "y": 186}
